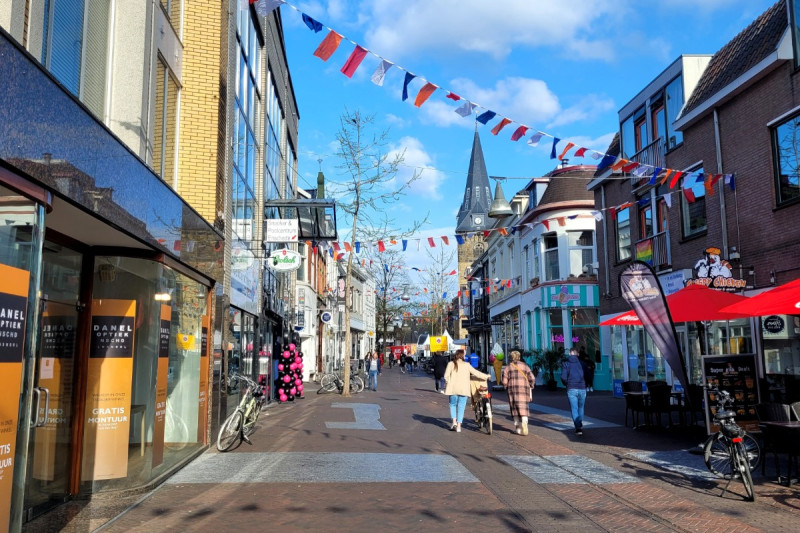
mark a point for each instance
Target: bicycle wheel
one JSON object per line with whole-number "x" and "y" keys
{"x": 752, "y": 450}
{"x": 356, "y": 384}
{"x": 744, "y": 468}
{"x": 327, "y": 384}
{"x": 230, "y": 431}
{"x": 717, "y": 457}
{"x": 487, "y": 413}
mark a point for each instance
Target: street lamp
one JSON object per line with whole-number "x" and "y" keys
{"x": 405, "y": 296}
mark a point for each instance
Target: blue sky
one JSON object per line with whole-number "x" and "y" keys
{"x": 564, "y": 67}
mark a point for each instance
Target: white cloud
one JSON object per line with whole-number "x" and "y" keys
{"x": 416, "y": 159}
{"x": 400, "y": 29}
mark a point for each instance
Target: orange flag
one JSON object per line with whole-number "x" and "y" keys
{"x": 424, "y": 93}
{"x": 500, "y": 125}
{"x": 566, "y": 149}
{"x": 328, "y": 46}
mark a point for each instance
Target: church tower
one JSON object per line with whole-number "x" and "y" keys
{"x": 473, "y": 218}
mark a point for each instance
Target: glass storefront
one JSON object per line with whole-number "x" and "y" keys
{"x": 164, "y": 310}
{"x": 240, "y": 356}
{"x": 781, "y": 341}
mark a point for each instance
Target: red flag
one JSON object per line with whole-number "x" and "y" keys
{"x": 328, "y": 46}
{"x": 381, "y": 246}
{"x": 486, "y": 234}
{"x": 689, "y": 195}
{"x": 630, "y": 166}
{"x": 566, "y": 149}
{"x": 452, "y": 273}
{"x": 503, "y": 232}
{"x": 500, "y": 125}
{"x": 715, "y": 179}
{"x": 355, "y": 59}
{"x": 336, "y": 246}
{"x": 445, "y": 240}
{"x": 508, "y": 284}
{"x": 348, "y": 247}
{"x": 339, "y": 257}
{"x": 613, "y": 212}
{"x": 675, "y": 179}
{"x": 580, "y": 152}
{"x": 424, "y": 93}
{"x": 488, "y": 290}
{"x": 454, "y": 97}
{"x": 430, "y": 241}
{"x": 546, "y": 224}
{"x": 519, "y": 133}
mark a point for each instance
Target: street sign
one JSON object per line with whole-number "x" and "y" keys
{"x": 496, "y": 322}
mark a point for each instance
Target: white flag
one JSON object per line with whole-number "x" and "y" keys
{"x": 265, "y": 7}
{"x": 598, "y": 216}
{"x": 380, "y": 72}
{"x": 668, "y": 200}
{"x": 535, "y": 138}
{"x": 466, "y": 109}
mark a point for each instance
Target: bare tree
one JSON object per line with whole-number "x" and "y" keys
{"x": 368, "y": 188}
{"x": 388, "y": 270}
{"x": 441, "y": 286}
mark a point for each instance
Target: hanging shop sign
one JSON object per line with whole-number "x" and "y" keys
{"x": 713, "y": 271}
{"x": 326, "y": 317}
{"x": 281, "y": 230}
{"x": 284, "y": 260}
{"x": 13, "y": 312}
{"x": 57, "y": 350}
{"x": 438, "y": 344}
{"x": 108, "y": 396}
{"x": 161, "y": 385}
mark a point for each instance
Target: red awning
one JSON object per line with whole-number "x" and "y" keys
{"x": 783, "y": 300}
{"x": 691, "y": 304}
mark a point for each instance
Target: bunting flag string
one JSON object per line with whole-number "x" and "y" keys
{"x": 331, "y": 43}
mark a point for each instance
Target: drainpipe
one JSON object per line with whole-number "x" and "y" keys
{"x": 723, "y": 217}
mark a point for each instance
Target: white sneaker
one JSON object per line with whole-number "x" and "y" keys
{"x": 458, "y": 429}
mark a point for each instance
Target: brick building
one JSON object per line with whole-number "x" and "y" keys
{"x": 729, "y": 124}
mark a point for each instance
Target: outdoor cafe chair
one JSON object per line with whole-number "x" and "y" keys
{"x": 775, "y": 441}
{"x": 635, "y": 403}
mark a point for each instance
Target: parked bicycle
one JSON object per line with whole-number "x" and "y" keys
{"x": 333, "y": 381}
{"x": 483, "y": 407}
{"x": 731, "y": 453}
{"x": 242, "y": 422}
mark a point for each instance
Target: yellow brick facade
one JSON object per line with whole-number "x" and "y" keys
{"x": 202, "y": 124}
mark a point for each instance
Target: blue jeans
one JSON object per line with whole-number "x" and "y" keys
{"x": 577, "y": 399}
{"x": 373, "y": 380}
{"x": 457, "y": 405}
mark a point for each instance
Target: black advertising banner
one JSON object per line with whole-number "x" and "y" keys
{"x": 640, "y": 288}
{"x": 13, "y": 311}
{"x": 737, "y": 375}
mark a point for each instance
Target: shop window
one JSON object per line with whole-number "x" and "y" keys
{"x": 551, "y": 270}
{"x": 164, "y": 126}
{"x": 556, "y": 329}
{"x": 786, "y": 143}
{"x": 693, "y": 214}
{"x": 581, "y": 250}
{"x": 623, "y": 234}
{"x": 585, "y": 332}
{"x": 645, "y": 362}
{"x": 162, "y": 389}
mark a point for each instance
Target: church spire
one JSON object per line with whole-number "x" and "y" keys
{"x": 474, "y": 212}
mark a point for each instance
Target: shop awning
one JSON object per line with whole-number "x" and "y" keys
{"x": 691, "y": 304}
{"x": 782, "y": 300}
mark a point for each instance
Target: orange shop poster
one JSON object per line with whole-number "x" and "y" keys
{"x": 13, "y": 312}
{"x": 202, "y": 406}
{"x": 56, "y": 355}
{"x": 108, "y": 398}
{"x": 161, "y": 384}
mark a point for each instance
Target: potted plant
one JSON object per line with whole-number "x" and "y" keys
{"x": 547, "y": 362}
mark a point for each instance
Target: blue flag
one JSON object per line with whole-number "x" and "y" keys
{"x": 486, "y": 116}
{"x": 407, "y": 80}
{"x": 312, "y": 24}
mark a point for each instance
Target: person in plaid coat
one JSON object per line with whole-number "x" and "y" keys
{"x": 518, "y": 381}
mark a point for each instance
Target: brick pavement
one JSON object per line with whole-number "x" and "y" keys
{"x": 612, "y": 479}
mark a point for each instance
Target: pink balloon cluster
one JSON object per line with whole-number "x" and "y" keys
{"x": 290, "y": 373}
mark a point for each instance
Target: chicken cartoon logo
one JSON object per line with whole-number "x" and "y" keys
{"x": 713, "y": 271}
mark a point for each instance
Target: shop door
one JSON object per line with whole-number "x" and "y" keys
{"x": 51, "y": 442}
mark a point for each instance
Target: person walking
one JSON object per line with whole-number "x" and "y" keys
{"x": 590, "y": 367}
{"x": 573, "y": 376}
{"x": 374, "y": 367}
{"x": 518, "y": 381}
{"x": 440, "y": 361}
{"x": 457, "y": 374}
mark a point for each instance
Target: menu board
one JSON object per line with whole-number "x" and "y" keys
{"x": 737, "y": 375}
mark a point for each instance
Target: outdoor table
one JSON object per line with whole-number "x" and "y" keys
{"x": 788, "y": 430}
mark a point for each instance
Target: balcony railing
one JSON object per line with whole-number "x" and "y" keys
{"x": 654, "y": 251}
{"x": 651, "y": 155}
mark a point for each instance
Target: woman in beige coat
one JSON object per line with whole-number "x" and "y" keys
{"x": 457, "y": 374}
